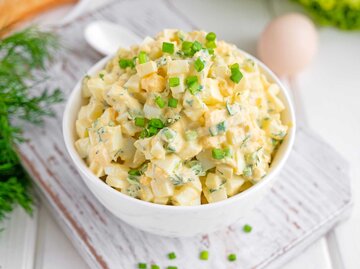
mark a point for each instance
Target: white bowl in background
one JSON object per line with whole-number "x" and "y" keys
{"x": 177, "y": 221}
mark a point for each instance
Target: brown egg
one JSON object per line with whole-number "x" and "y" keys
{"x": 288, "y": 44}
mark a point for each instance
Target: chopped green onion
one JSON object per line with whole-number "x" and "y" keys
{"x": 227, "y": 152}
{"x": 187, "y": 48}
{"x": 211, "y": 51}
{"x": 247, "y": 171}
{"x": 199, "y": 65}
{"x": 143, "y": 58}
{"x": 232, "y": 257}
{"x": 168, "y": 47}
{"x": 204, "y": 255}
{"x": 218, "y": 154}
{"x": 152, "y": 131}
{"x": 191, "y": 79}
{"x": 139, "y": 121}
{"x": 186, "y": 45}
{"x": 196, "y": 46}
{"x": 160, "y": 102}
{"x": 236, "y": 74}
{"x": 142, "y": 266}
{"x": 247, "y": 228}
{"x": 171, "y": 267}
{"x": 157, "y": 123}
{"x": 193, "y": 85}
{"x": 101, "y": 75}
{"x": 144, "y": 133}
{"x": 190, "y": 135}
{"x": 173, "y": 82}
{"x": 124, "y": 63}
{"x": 235, "y": 66}
{"x": 210, "y": 36}
{"x": 155, "y": 266}
{"x": 172, "y": 255}
{"x": 172, "y": 102}
{"x": 211, "y": 44}
{"x": 134, "y": 172}
{"x": 194, "y": 88}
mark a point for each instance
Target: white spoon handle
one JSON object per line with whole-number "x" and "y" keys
{"x": 106, "y": 37}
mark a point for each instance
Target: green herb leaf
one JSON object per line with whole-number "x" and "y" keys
{"x": 21, "y": 55}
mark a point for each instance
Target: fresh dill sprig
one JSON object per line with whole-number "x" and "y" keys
{"x": 23, "y": 58}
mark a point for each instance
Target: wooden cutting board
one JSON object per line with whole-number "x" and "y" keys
{"x": 311, "y": 196}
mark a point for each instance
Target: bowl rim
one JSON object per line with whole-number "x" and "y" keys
{"x": 81, "y": 166}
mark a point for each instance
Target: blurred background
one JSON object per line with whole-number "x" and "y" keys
{"x": 326, "y": 91}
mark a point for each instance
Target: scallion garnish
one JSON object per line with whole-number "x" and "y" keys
{"x": 204, "y": 255}
{"x": 142, "y": 265}
{"x": 124, "y": 63}
{"x": 152, "y": 131}
{"x": 227, "y": 152}
{"x": 157, "y": 123}
{"x": 134, "y": 172}
{"x": 236, "y": 74}
{"x": 173, "y": 82}
{"x": 196, "y": 46}
{"x": 186, "y": 45}
{"x": 143, "y": 58}
{"x": 211, "y": 44}
{"x": 194, "y": 88}
{"x": 210, "y": 36}
{"x": 191, "y": 79}
{"x": 155, "y": 266}
{"x": 232, "y": 257}
{"x": 172, "y": 255}
{"x": 187, "y": 48}
{"x": 199, "y": 65}
{"x": 247, "y": 228}
{"x": 218, "y": 154}
{"x": 172, "y": 102}
{"x": 168, "y": 47}
{"x": 160, "y": 101}
{"x": 140, "y": 121}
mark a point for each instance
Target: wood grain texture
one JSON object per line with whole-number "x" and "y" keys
{"x": 310, "y": 197}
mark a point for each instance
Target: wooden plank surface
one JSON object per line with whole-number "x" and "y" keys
{"x": 306, "y": 202}
{"x": 18, "y": 240}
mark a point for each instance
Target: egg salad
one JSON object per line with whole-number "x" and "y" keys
{"x": 181, "y": 119}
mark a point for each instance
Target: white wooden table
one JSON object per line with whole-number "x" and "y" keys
{"x": 330, "y": 89}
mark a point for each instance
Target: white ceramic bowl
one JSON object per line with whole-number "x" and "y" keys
{"x": 176, "y": 221}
